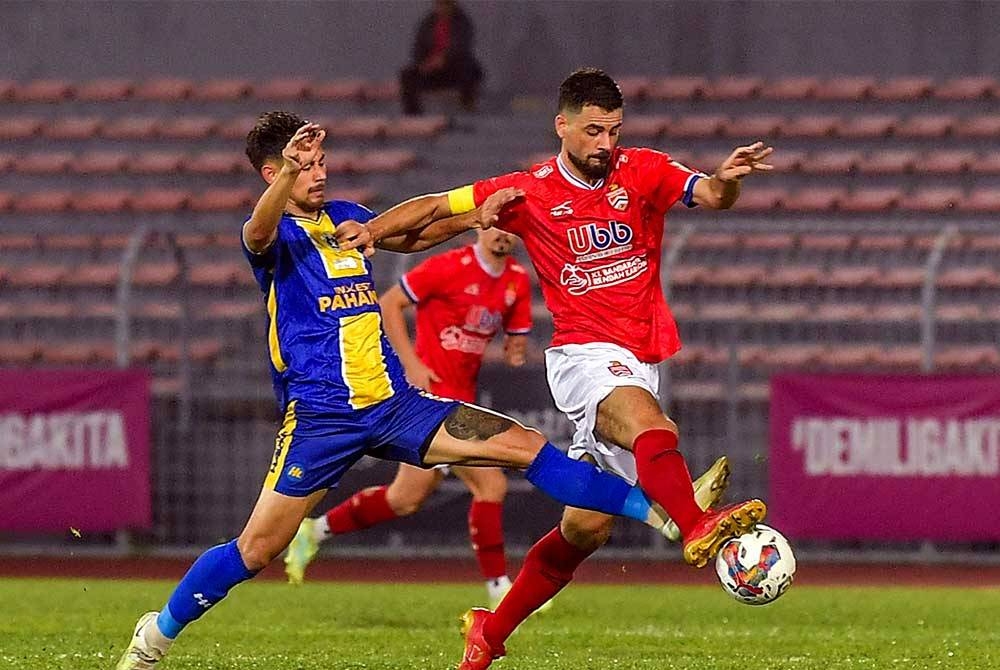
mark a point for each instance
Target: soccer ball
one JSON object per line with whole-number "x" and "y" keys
{"x": 757, "y": 567}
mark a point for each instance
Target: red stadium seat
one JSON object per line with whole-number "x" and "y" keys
{"x": 791, "y": 356}
{"x": 222, "y": 90}
{"x": 844, "y": 88}
{"x": 219, "y": 274}
{"x": 381, "y": 91}
{"x": 223, "y": 200}
{"x": 882, "y": 243}
{"x": 677, "y": 88}
{"x": 932, "y": 200}
{"x": 341, "y": 162}
{"x": 826, "y": 242}
{"x": 926, "y": 126}
{"x": 903, "y": 89}
{"x": 871, "y": 200}
{"x": 104, "y": 90}
{"x": 967, "y": 356}
{"x": 99, "y": 162}
{"x": 969, "y": 278}
{"x": 358, "y": 127}
{"x": 928, "y": 242}
{"x": 697, "y": 126}
{"x": 733, "y": 88}
{"x": 901, "y": 278}
{"x": 283, "y": 89}
{"x": 688, "y": 274}
{"x": 43, "y": 90}
{"x": 986, "y": 164}
{"x": 157, "y": 310}
{"x": 900, "y": 358}
{"x": 889, "y": 161}
{"x": 338, "y": 90}
{"x": 44, "y": 162}
{"x": 72, "y": 128}
{"x": 18, "y": 242}
{"x": 102, "y": 202}
{"x": 790, "y": 88}
{"x": 760, "y": 199}
{"x": 160, "y": 200}
{"x": 7, "y": 161}
{"x": 792, "y": 276}
{"x": 188, "y": 127}
{"x": 78, "y": 353}
{"x": 736, "y": 275}
{"x": 782, "y": 312}
{"x": 849, "y": 357}
{"x": 157, "y": 162}
{"x": 984, "y": 126}
{"x": 164, "y": 89}
{"x": 634, "y": 88}
{"x": 725, "y": 311}
{"x": 416, "y": 126}
{"x": 228, "y": 310}
{"x": 37, "y": 275}
{"x": 832, "y": 162}
{"x": 712, "y": 241}
{"x": 19, "y": 353}
{"x": 787, "y": 161}
{"x": 115, "y": 241}
{"x": 947, "y": 161}
{"x": 753, "y": 127}
{"x": 987, "y": 243}
{"x": 815, "y": 199}
{"x": 104, "y": 275}
{"x": 214, "y": 163}
{"x": 82, "y": 244}
{"x": 160, "y": 274}
{"x": 960, "y": 313}
{"x": 851, "y": 276}
{"x": 19, "y": 127}
{"x": 983, "y": 200}
{"x": 867, "y": 126}
{"x": 6, "y": 201}
{"x": 966, "y": 88}
{"x": 840, "y": 312}
{"x": 43, "y": 201}
{"x": 896, "y": 312}
{"x": 385, "y": 161}
{"x": 822, "y": 125}
{"x": 131, "y": 128}
{"x": 647, "y": 126}
{"x": 7, "y": 87}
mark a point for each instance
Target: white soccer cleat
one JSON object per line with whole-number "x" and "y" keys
{"x": 140, "y": 655}
{"x": 708, "y": 490}
{"x": 301, "y": 552}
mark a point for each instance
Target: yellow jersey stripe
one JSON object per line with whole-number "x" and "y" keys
{"x": 461, "y": 200}
{"x": 362, "y": 361}
{"x": 336, "y": 262}
{"x": 273, "y": 344}
{"x": 281, "y": 446}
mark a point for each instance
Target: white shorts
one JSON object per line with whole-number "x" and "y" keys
{"x": 580, "y": 377}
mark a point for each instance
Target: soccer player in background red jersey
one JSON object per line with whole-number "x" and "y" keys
{"x": 592, "y": 221}
{"x": 463, "y": 298}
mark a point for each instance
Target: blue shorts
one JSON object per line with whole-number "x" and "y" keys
{"x": 314, "y": 449}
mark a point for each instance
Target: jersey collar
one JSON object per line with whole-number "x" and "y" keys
{"x": 486, "y": 266}
{"x": 573, "y": 179}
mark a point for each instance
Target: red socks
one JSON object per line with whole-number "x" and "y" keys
{"x": 365, "y": 508}
{"x": 486, "y": 532}
{"x": 664, "y": 476}
{"x": 548, "y": 567}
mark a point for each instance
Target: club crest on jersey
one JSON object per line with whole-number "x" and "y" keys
{"x": 510, "y": 295}
{"x": 618, "y": 197}
{"x": 619, "y": 369}
{"x": 595, "y": 240}
{"x": 543, "y": 172}
{"x": 472, "y": 289}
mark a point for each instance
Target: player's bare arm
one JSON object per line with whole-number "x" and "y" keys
{"x": 515, "y": 350}
{"x": 722, "y": 189}
{"x": 420, "y": 213}
{"x": 299, "y": 154}
{"x": 394, "y": 304}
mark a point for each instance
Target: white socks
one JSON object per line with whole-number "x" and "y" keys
{"x": 153, "y": 638}
{"x": 321, "y": 529}
{"x": 497, "y": 588}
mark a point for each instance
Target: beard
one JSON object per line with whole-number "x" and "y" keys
{"x": 594, "y": 171}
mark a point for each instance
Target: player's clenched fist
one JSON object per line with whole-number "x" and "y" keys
{"x": 303, "y": 148}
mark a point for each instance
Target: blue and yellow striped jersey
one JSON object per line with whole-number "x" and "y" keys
{"x": 325, "y": 337}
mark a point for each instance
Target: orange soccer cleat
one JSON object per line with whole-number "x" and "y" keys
{"x": 478, "y": 652}
{"x": 719, "y": 525}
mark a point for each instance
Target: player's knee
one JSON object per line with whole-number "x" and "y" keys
{"x": 527, "y": 443}
{"x": 407, "y": 502}
{"x": 490, "y": 488}
{"x": 587, "y": 532}
{"x": 257, "y": 551}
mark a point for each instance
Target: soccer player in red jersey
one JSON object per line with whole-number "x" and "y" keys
{"x": 463, "y": 298}
{"x": 592, "y": 221}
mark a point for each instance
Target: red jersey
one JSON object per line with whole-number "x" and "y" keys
{"x": 596, "y": 248}
{"x": 461, "y": 304}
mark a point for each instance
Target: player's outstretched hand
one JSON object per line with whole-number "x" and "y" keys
{"x": 745, "y": 160}
{"x": 351, "y": 235}
{"x": 304, "y": 147}
{"x": 489, "y": 211}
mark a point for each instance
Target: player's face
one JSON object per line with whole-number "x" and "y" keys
{"x": 497, "y": 242}
{"x": 588, "y": 138}
{"x": 308, "y": 192}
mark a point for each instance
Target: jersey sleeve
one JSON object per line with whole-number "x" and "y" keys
{"x": 668, "y": 181}
{"x": 467, "y": 198}
{"x": 517, "y": 320}
{"x": 426, "y": 279}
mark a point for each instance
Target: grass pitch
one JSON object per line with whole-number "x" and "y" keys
{"x": 84, "y": 624}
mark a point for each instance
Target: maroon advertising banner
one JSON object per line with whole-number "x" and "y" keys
{"x": 885, "y": 457}
{"x": 74, "y": 450}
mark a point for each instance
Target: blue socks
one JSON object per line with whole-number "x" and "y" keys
{"x": 207, "y": 582}
{"x": 580, "y": 484}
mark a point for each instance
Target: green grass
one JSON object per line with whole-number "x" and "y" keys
{"x": 83, "y": 624}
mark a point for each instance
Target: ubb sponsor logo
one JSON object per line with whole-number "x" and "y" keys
{"x": 358, "y": 294}
{"x": 594, "y": 240}
{"x": 482, "y": 320}
{"x": 892, "y": 447}
{"x": 580, "y": 281}
{"x": 454, "y": 338}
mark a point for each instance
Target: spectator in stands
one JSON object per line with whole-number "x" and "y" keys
{"x": 442, "y": 58}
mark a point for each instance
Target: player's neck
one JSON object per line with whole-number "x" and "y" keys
{"x": 572, "y": 169}
{"x": 295, "y": 210}
{"x": 492, "y": 263}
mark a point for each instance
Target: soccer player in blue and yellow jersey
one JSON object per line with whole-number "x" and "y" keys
{"x": 340, "y": 385}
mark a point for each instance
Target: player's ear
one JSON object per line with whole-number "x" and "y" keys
{"x": 269, "y": 172}
{"x": 561, "y": 122}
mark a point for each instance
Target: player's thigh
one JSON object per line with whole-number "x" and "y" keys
{"x": 473, "y": 435}
{"x": 585, "y": 529}
{"x": 628, "y": 411}
{"x": 411, "y": 487}
{"x": 485, "y": 484}
{"x": 272, "y": 525}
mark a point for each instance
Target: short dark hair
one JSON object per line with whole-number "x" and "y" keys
{"x": 269, "y": 136}
{"x": 589, "y": 86}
